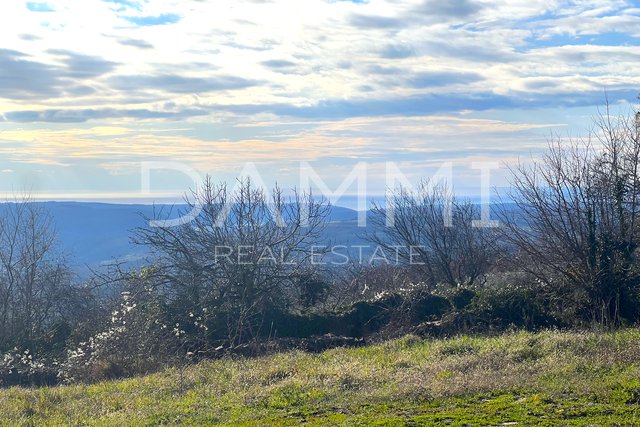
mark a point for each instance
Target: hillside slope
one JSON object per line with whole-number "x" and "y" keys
{"x": 549, "y": 378}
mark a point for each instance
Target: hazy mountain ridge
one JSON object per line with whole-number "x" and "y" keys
{"x": 92, "y": 234}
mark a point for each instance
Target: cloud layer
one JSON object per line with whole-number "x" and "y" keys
{"x": 275, "y": 79}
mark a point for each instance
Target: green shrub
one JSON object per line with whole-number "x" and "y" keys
{"x": 502, "y": 307}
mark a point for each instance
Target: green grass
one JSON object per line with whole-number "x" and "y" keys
{"x": 546, "y": 379}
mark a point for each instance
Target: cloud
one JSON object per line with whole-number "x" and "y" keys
{"x": 383, "y": 70}
{"x": 375, "y": 22}
{"x": 427, "y": 12}
{"x": 179, "y": 84}
{"x": 140, "y": 44}
{"x": 23, "y": 78}
{"x": 468, "y": 49}
{"x": 435, "y": 103}
{"x": 83, "y": 115}
{"x": 278, "y": 63}
{"x": 442, "y": 78}
{"x": 396, "y": 77}
{"x": 283, "y": 66}
{"x": 115, "y": 64}
{"x": 83, "y": 66}
{"x": 414, "y": 143}
{"x": 29, "y": 37}
{"x": 125, "y": 4}
{"x": 449, "y": 9}
{"x": 147, "y": 21}
{"x": 397, "y": 51}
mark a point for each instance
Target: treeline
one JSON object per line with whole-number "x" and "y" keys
{"x": 244, "y": 274}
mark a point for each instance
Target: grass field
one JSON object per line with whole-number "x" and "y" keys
{"x": 546, "y": 379}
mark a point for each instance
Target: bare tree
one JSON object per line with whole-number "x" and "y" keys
{"x": 575, "y": 222}
{"x": 434, "y": 232}
{"x": 240, "y": 256}
{"x": 34, "y": 279}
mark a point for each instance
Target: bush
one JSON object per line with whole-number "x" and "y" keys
{"x": 21, "y": 367}
{"x": 136, "y": 341}
{"x": 510, "y": 306}
{"x": 491, "y": 309}
{"x": 391, "y": 313}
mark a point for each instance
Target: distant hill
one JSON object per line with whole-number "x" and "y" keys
{"x": 94, "y": 234}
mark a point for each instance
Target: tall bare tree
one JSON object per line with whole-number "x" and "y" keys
{"x": 34, "y": 278}
{"x": 575, "y": 222}
{"x": 434, "y": 232}
{"x": 240, "y": 256}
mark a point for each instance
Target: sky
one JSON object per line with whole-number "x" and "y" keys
{"x": 97, "y": 95}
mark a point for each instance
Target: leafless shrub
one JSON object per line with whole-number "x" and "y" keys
{"x": 241, "y": 255}
{"x": 434, "y": 233}
{"x": 35, "y": 281}
{"x": 575, "y": 225}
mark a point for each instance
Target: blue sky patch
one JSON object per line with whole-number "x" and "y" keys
{"x": 146, "y": 21}
{"x": 124, "y": 4}
{"x": 39, "y": 7}
{"x": 604, "y": 39}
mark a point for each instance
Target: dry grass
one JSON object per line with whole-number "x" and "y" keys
{"x": 548, "y": 378}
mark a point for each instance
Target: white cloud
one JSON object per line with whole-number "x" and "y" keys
{"x": 238, "y": 68}
{"x": 328, "y": 55}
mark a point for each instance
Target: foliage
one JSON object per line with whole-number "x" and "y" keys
{"x": 20, "y": 367}
{"x": 509, "y": 306}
